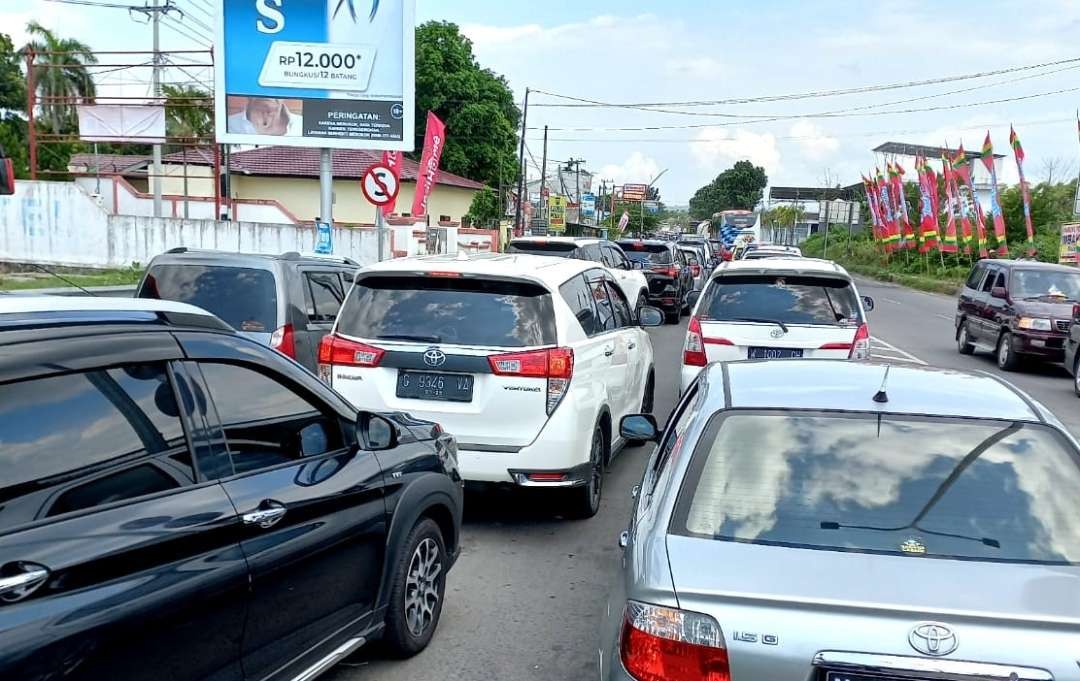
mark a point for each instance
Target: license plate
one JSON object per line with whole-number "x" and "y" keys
{"x": 424, "y": 385}
{"x": 844, "y": 676}
{"x": 773, "y": 353}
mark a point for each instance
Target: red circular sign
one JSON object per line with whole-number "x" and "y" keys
{"x": 380, "y": 185}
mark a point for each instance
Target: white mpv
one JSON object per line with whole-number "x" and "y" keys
{"x": 776, "y": 308}
{"x": 529, "y": 361}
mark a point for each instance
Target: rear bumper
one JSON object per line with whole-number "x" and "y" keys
{"x": 568, "y": 458}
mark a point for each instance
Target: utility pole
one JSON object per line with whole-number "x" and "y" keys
{"x": 521, "y": 166}
{"x": 543, "y": 182}
{"x": 155, "y": 17}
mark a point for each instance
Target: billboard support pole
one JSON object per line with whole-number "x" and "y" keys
{"x": 518, "y": 230}
{"x": 380, "y": 230}
{"x": 326, "y": 186}
{"x": 155, "y": 17}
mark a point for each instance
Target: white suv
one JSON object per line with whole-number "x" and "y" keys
{"x": 529, "y": 361}
{"x": 776, "y": 308}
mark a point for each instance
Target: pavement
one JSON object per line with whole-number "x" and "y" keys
{"x": 525, "y": 600}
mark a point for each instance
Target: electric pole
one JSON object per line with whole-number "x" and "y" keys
{"x": 155, "y": 19}
{"x": 518, "y": 230}
{"x": 543, "y": 182}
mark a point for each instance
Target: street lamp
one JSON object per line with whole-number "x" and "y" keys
{"x": 647, "y": 187}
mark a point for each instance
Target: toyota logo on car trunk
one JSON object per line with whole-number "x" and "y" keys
{"x": 932, "y": 638}
{"x": 434, "y": 357}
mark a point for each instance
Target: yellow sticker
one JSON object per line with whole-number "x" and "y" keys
{"x": 913, "y": 546}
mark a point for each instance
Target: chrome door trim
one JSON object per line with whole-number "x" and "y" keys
{"x": 922, "y": 667}
{"x": 332, "y": 658}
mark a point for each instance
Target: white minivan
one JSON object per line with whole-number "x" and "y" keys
{"x": 776, "y": 308}
{"x": 529, "y": 361}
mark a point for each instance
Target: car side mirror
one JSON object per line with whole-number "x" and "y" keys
{"x": 378, "y": 432}
{"x": 868, "y": 303}
{"x": 692, "y": 299}
{"x": 999, "y": 292}
{"x": 650, "y": 316}
{"x": 639, "y": 427}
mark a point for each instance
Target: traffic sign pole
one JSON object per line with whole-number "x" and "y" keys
{"x": 380, "y": 186}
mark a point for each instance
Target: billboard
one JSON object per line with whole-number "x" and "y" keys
{"x": 634, "y": 192}
{"x": 1070, "y": 239}
{"x": 317, "y": 73}
{"x": 556, "y": 213}
{"x": 588, "y": 205}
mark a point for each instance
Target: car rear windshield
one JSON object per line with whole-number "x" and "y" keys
{"x": 244, "y": 297}
{"x": 653, "y": 254}
{"x": 924, "y": 487}
{"x": 552, "y": 249}
{"x": 791, "y": 300}
{"x": 460, "y": 311}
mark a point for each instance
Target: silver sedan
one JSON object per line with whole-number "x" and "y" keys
{"x": 823, "y": 520}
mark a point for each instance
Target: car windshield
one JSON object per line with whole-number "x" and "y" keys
{"x": 652, "y": 254}
{"x": 460, "y": 311}
{"x": 1049, "y": 284}
{"x": 936, "y": 487}
{"x": 691, "y": 256}
{"x": 555, "y": 249}
{"x": 244, "y": 297}
{"x": 791, "y": 300}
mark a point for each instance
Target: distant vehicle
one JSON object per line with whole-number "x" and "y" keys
{"x": 608, "y": 253}
{"x": 698, "y": 271}
{"x": 182, "y": 502}
{"x": 669, "y": 275}
{"x": 779, "y": 308}
{"x": 287, "y": 301}
{"x": 1017, "y": 309}
{"x": 768, "y": 252}
{"x": 786, "y": 501}
{"x": 530, "y": 361}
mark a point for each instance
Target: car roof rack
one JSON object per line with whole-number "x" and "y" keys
{"x": 297, "y": 255}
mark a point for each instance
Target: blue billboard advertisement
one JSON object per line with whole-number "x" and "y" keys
{"x": 315, "y": 73}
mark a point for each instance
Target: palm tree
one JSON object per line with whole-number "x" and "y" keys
{"x": 60, "y": 74}
{"x": 187, "y": 111}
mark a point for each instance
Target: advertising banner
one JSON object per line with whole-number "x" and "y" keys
{"x": 428, "y": 173}
{"x": 121, "y": 123}
{"x": 556, "y": 213}
{"x": 588, "y": 205}
{"x": 1070, "y": 237}
{"x": 316, "y": 73}
{"x": 634, "y": 192}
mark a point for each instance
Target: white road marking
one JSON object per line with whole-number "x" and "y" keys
{"x": 903, "y": 353}
{"x": 892, "y": 358}
{"x": 944, "y": 316}
{"x": 890, "y": 300}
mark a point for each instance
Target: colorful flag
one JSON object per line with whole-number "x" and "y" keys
{"x": 928, "y": 234}
{"x": 950, "y": 245}
{"x": 969, "y": 202}
{"x": 900, "y": 201}
{"x": 995, "y": 205}
{"x": 1025, "y": 191}
{"x": 428, "y": 172}
{"x": 892, "y": 231}
{"x": 392, "y": 160}
{"x": 878, "y": 228}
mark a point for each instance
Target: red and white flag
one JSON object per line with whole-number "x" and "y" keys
{"x": 428, "y": 172}
{"x": 624, "y": 221}
{"x": 392, "y": 160}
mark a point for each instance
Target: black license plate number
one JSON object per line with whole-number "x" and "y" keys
{"x": 424, "y": 385}
{"x": 773, "y": 353}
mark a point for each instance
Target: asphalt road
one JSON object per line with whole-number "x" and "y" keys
{"x": 525, "y": 599}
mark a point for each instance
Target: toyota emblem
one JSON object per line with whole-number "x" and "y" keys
{"x": 434, "y": 357}
{"x": 933, "y": 638}
{"x": 777, "y": 333}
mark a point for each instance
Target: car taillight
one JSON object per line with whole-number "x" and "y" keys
{"x": 695, "y": 270}
{"x": 672, "y": 272}
{"x": 667, "y": 644}
{"x": 860, "y": 347}
{"x": 335, "y": 350}
{"x": 284, "y": 340}
{"x": 694, "y": 350}
{"x": 554, "y": 364}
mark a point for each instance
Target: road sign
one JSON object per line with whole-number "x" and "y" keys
{"x": 634, "y": 192}
{"x": 557, "y": 213}
{"x": 380, "y": 185}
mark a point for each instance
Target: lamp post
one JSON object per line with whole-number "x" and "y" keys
{"x": 647, "y": 187}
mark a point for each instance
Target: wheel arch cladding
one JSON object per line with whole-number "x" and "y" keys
{"x": 604, "y": 421}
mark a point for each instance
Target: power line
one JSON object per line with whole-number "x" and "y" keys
{"x": 179, "y": 30}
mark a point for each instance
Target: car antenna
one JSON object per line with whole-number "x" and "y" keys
{"x": 46, "y": 270}
{"x": 881, "y": 397}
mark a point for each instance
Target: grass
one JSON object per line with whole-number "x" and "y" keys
{"x": 23, "y": 281}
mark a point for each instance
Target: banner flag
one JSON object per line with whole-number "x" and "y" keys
{"x": 951, "y": 244}
{"x": 877, "y": 225}
{"x": 928, "y": 233}
{"x": 969, "y": 203}
{"x": 1025, "y": 191}
{"x": 995, "y": 205}
{"x": 892, "y": 231}
{"x": 897, "y": 180}
{"x": 428, "y": 172}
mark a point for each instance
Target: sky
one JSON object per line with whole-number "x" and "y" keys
{"x": 680, "y": 51}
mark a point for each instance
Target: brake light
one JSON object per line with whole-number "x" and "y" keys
{"x": 335, "y": 350}
{"x": 284, "y": 340}
{"x": 445, "y": 275}
{"x": 835, "y": 346}
{"x": 672, "y": 272}
{"x": 860, "y": 347}
{"x": 694, "y": 350}
{"x": 695, "y": 270}
{"x": 554, "y": 364}
{"x": 667, "y": 644}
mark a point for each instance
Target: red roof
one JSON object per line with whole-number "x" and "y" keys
{"x": 107, "y": 163}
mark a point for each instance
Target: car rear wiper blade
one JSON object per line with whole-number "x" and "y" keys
{"x": 759, "y": 320}
{"x": 418, "y": 338}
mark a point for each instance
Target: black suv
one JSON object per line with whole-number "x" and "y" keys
{"x": 667, "y": 271}
{"x": 180, "y": 502}
{"x": 287, "y": 301}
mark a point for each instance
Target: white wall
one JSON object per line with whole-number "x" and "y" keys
{"x": 59, "y": 224}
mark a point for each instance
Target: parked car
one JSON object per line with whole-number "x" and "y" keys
{"x": 529, "y": 361}
{"x": 1017, "y": 309}
{"x": 781, "y": 308}
{"x": 698, "y": 271}
{"x": 669, "y": 275}
{"x": 287, "y": 301}
{"x": 182, "y": 502}
{"x": 608, "y": 253}
{"x": 779, "y": 533}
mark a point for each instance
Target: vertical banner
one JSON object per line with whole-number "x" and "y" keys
{"x": 392, "y": 160}
{"x": 950, "y": 245}
{"x": 892, "y": 231}
{"x": 1025, "y": 191}
{"x": 871, "y": 203}
{"x": 897, "y": 178}
{"x": 969, "y": 203}
{"x": 428, "y": 172}
{"x": 995, "y": 205}
{"x": 927, "y": 217}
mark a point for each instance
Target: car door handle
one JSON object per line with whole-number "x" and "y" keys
{"x": 609, "y": 351}
{"x": 631, "y": 345}
{"x": 27, "y": 578}
{"x": 267, "y": 515}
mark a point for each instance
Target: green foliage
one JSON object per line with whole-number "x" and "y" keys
{"x": 737, "y": 188}
{"x": 476, "y": 104}
{"x": 12, "y": 80}
{"x": 639, "y": 222}
{"x": 60, "y": 75}
{"x": 484, "y": 209}
{"x": 187, "y": 112}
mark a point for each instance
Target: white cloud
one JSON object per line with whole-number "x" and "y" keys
{"x": 637, "y": 168}
{"x": 701, "y": 68}
{"x": 813, "y": 142}
{"x": 716, "y": 148}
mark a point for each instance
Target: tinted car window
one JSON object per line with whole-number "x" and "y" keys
{"x": 266, "y": 422}
{"x": 607, "y": 255}
{"x": 792, "y": 300}
{"x": 691, "y": 257}
{"x": 988, "y": 283}
{"x": 591, "y": 252}
{"x": 975, "y": 277}
{"x": 554, "y": 249}
{"x": 578, "y": 295}
{"x": 623, "y": 316}
{"x": 246, "y": 298}
{"x": 449, "y": 310}
{"x": 605, "y": 312}
{"x": 80, "y": 440}
{"x": 325, "y": 294}
{"x": 945, "y": 488}
{"x": 653, "y": 254}
{"x": 1048, "y": 285}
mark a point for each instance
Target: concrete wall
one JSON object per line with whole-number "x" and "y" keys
{"x": 58, "y": 223}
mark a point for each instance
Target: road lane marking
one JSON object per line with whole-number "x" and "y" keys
{"x": 892, "y": 358}
{"x": 903, "y": 353}
{"x": 890, "y": 300}
{"x": 944, "y": 316}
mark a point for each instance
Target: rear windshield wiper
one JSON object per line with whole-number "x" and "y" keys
{"x": 758, "y": 320}
{"x": 410, "y": 337}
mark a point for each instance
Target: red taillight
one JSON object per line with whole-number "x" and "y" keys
{"x": 284, "y": 340}
{"x": 672, "y": 272}
{"x": 335, "y": 350}
{"x": 546, "y": 477}
{"x": 445, "y": 275}
{"x": 667, "y": 644}
{"x": 835, "y": 346}
{"x": 554, "y": 364}
{"x": 860, "y": 346}
{"x": 694, "y": 350}
{"x": 695, "y": 270}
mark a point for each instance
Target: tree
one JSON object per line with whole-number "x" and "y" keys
{"x": 737, "y": 188}
{"x": 639, "y": 223}
{"x": 476, "y": 104}
{"x": 187, "y": 112}
{"x": 60, "y": 74}
{"x": 12, "y": 81}
{"x": 484, "y": 209}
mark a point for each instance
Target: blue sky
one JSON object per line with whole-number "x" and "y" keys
{"x": 683, "y": 50}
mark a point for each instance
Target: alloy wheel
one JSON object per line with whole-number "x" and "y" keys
{"x": 422, "y": 586}
{"x": 596, "y": 476}
{"x": 1004, "y": 349}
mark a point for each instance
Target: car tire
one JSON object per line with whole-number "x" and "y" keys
{"x": 647, "y": 401}
{"x": 585, "y": 500}
{"x": 416, "y": 596}
{"x": 963, "y": 340}
{"x": 1007, "y": 359}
